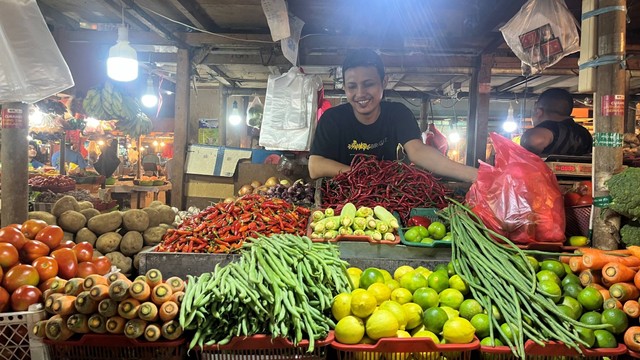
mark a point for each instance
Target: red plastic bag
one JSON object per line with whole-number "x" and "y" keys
{"x": 434, "y": 138}
{"x": 519, "y": 197}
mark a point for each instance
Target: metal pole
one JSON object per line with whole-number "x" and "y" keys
{"x": 15, "y": 163}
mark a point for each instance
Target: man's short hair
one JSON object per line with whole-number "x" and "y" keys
{"x": 557, "y": 101}
{"x": 363, "y": 57}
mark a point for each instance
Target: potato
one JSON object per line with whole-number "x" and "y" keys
{"x": 108, "y": 242}
{"x": 67, "y": 236}
{"x": 167, "y": 215}
{"x": 135, "y": 220}
{"x": 156, "y": 203}
{"x": 131, "y": 243}
{"x": 154, "y": 216}
{"x": 153, "y": 236}
{"x": 105, "y": 223}
{"x": 89, "y": 213}
{"x": 120, "y": 261}
{"x": 86, "y": 235}
{"x": 49, "y": 218}
{"x": 85, "y": 205}
{"x": 97, "y": 253}
{"x": 136, "y": 258}
{"x": 167, "y": 226}
{"x": 65, "y": 203}
{"x": 72, "y": 221}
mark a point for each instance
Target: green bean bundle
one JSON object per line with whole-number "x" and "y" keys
{"x": 282, "y": 286}
{"x": 501, "y": 276}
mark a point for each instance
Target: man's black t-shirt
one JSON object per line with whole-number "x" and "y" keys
{"x": 569, "y": 138}
{"x": 340, "y": 135}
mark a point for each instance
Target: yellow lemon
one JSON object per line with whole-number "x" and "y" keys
{"x": 386, "y": 275}
{"x": 355, "y": 281}
{"x": 363, "y": 304}
{"x": 380, "y": 291}
{"x": 458, "y": 331}
{"x": 451, "y": 297}
{"x": 456, "y": 282}
{"x": 381, "y": 324}
{"x": 401, "y": 271}
{"x": 354, "y": 271}
{"x": 413, "y": 314}
{"x": 341, "y": 306}
{"x": 397, "y": 310}
{"x": 356, "y": 291}
{"x": 413, "y": 280}
{"x": 349, "y": 330}
{"x": 392, "y": 284}
{"x": 401, "y": 295}
{"x": 451, "y": 312}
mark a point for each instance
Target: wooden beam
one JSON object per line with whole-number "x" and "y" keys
{"x": 247, "y": 40}
{"x": 549, "y": 83}
{"x": 153, "y": 24}
{"x": 181, "y": 128}
{"x": 115, "y": 7}
{"x": 136, "y": 37}
{"x": 196, "y": 14}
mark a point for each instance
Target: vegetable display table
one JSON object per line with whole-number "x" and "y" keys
{"x": 138, "y": 191}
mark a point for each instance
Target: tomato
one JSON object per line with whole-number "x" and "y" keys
{"x": 24, "y": 296}
{"x": 4, "y": 300}
{"x": 32, "y": 227}
{"x": 571, "y": 198}
{"x": 46, "y": 266}
{"x": 67, "y": 262}
{"x": 19, "y": 275}
{"x": 585, "y": 188}
{"x": 86, "y": 268}
{"x": 8, "y": 255}
{"x": 51, "y": 235}
{"x": 46, "y": 285}
{"x": 65, "y": 244}
{"x": 84, "y": 251}
{"x": 17, "y": 226}
{"x": 32, "y": 250}
{"x": 103, "y": 264}
{"x": 12, "y": 236}
{"x": 1, "y": 275}
{"x": 585, "y": 200}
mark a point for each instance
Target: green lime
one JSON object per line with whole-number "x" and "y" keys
{"x": 550, "y": 289}
{"x": 451, "y": 298}
{"x": 434, "y": 318}
{"x": 572, "y": 290}
{"x": 437, "y": 230}
{"x": 439, "y": 280}
{"x": 617, "y": 318}
{"x": 554, "y": 266}
{"x": 534, "y": 262}
{"x": 412, "y": 281}
{"x": 543, "y": 275}
{"x": 470, "y": 308}
{"x": 496, "y": 314}
{"x": 370, "y": 276}
{"x": 426, "y": 297}
{"x": 456, "y": 282}
{"x": 568, "y": 311}
{"x": 591, "y": 318}
{"x": 451, "y": 269}
{"x": 482, "y": 324}
{"x": 447, "y": 237}
{"x": 605, "y": 339}
{"x": 590, "y": 298}
{"x": 586, "y": 335}
{"x": 487, "y": 341}
{"x": 510, "y": 331}
{"x": 570, "y": 279}
{"x": 567, "y": 269}
{"x": 441, "y": 266}
{"x": 574, "y": 305}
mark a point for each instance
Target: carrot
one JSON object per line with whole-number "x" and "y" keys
{"x": 175, "y": 283}
{"x": 171, "y": 330}
{"x": 99, "y": 292}
{"x": 73, "y": 286}
{"x": 565, "y": 259}
{"x": 636, "y": 279}
{"x": 632, "y": 338}
{"x": 98, "y": 324}
{"x": 140, "y": 278}
{"x": 631, "y": 308}
{"x": 57, "y": 329}
{"x": 113, "y": 277}
{"x": 85, "y": 304}
{"x": 154, "y": 277}
{"x": 576, "y": 264}
{"x": 615, "y": 272}
{"x": 49, "y": 300}
{"x": 605, "y": 293}
{"x": 134, "y": 328}
{"x": 94, "y": 279}
{"x": 590, "y": 276}
{"x": 128, "y": 308}
{"x": 119, "y": 289}
{"x": 115, "y": 324}
{"x": 597, "y": 261}
{"x": 108, "y": 308}
{"x": 152, "y": 332}
{"x": 64, "y": 305}
{"x": 161, "y": 293}
{"x": 634, "y": 250}
{"x": 39, "y": 329}
{"x": 148, "y": 311}
{"x": 624, "y": 291}
{"x": 78, "y": 323}
{"x": 58, "y": 285}
{"x": 168, "y": 311}
{"x": 612, "y": 303}
{"x": 140, "y": 290}
{"x": 177, "y": 297}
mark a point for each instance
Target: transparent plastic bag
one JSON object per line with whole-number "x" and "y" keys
{"x": 31, "y": 65}
{"x": 542, "y": 33}
{"x": 254, "y": 113}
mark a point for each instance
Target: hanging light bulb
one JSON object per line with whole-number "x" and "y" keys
{"x": 122, "y": 64}
{"x": 150, "y": 98}
{"x": 235, "y": 118}
{"x": 509, "y": 124}
{"x": 454, "y": 137}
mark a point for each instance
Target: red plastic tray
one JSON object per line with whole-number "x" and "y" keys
{"x": 634, "y": 354}
{"x": 555, "y": 348}
{"x": 110, "y": 347}
{"x": 111, "y": 340}
{"x": 398, "y": 345}
{"x": 266, "y": 342}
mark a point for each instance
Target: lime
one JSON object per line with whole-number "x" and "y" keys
{"x": 413, "y": 314}
{"x": 451, "y": 312}
{"x": 427, "y": 334}
{"x": 424, "y": 271}
{"x": 578, "y": 240}
{"x": 439, "y": 280}
{"x": 413, "y": 281}
{"x": 574, "y": 305}
{"x": 401, "y": 295}
{"x": 510, "y": 332}
{"x": 470, "y": 308}
{"x": 380, "y": 291}
{"x": 496, "y": 314}
{"x": 392, "y": 284}
{"x": 567, "y": 268}
{"x": 452, "y": 298}
{"x": 456, "y": 282}
{"x": 440, "y": 266}
{"x": 551, "y": 289}
{"x": 534, "y": 263}
{"x": 355, "y": 281}
{"x": 400, "y": 271}
{"x": 568, "y": 311}
{"x": 543, "y": 275}
{"x": 617, "y": 319}
{"x": 370, "y": 276}
{"x": 397, "y": 310}
{"x": 451, "y": 270}
{"x": 437, "y": 230}
{"x": 363, "y": 303}
{"x": 458, "y": 331}
{"x": 381, "y": 323}
{"x": 590, "y": 298}
{"x": 591, "y": 318}
{"x": 554, "y": 266}
{"x": 482, "y": 324}
{"x": 447, "y": 237}
{"x": 341, "y": 306}
{"x": 605, "y": 339}
{"x": 354, "y": 271}
{"x": 434, "y": 318}
{"x": 586, "y": 335}
{"x": 349, "y": 330}
{"x": 386, "y": 275}
{"x": 572, "y": 290}
{"x": 570, "y": 279}
{"x": 426, "y": 297}
{"x": 487, "y": 341}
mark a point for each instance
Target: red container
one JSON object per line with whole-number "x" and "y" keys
{"x": 551, "y": 349}
{"x": 403, "y": 348}
{"x": 111, "y": 347}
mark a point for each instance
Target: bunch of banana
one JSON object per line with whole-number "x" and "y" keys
{"x": 108, "y": 103}
{"x": 92, "y": 104}
{"x": 141, "y": 125}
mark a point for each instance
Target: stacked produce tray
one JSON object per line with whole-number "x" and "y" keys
{"x": 432, "y": 215}
{"x": 551, "y": 350}
{"x": 110, "y": 347}
{"x": 16, "y": 341}
{"x": 405, "y": 348}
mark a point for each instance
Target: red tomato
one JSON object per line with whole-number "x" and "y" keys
{"x": 17, "y": 226}
{"x": 571, "y": 198}
{"x": 24, "y": 296}
{"x": 8, "y": 255}
{"x": 46, "y": 285}
{"x": 32, "y": 227}
{"x": 4, "y": 300}
{"x": 86, "y": 268}
{"x": 585, "y": 200}
{"x": 46, "y": 266}
{"x": 12, "y": 236}
{"x": 32, "y": 250}
{"x": 51, "y": 235}
{"x": 84, "y": 251}
{"x": 65, "y": 244}
{"x": 1, "y": 274}
{"x": 19, "y": 275}
{"x": 103, "y": 264}
{"x": 585, "y": 187}
{"x": 67, "y": 262}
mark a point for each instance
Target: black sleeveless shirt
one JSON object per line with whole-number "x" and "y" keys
{"x": 569, "y": 138}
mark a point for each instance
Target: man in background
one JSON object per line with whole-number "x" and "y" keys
{"x": 70, "y": 156}
{"x": 554, "y": 131}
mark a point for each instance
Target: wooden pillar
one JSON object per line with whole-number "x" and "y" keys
{"x": 479, "y": 96}
{"x": 15, "y": 163}
{"x": 609, "y": 110}
{"x": 470, "y": 158}
{"x": 183, "y": 80}
{"x": 222, "y": 122}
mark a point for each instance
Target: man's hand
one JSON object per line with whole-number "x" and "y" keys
{"x": 432, "y": 160}
{"x": 320, "y": 166}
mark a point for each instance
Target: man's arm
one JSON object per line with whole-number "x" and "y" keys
{"x": 536, "y": 140}
{"x": 320, "y": 166}
{"x": 432, "y": 160}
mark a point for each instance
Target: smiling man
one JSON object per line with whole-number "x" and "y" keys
{"x": 366, "y": 124}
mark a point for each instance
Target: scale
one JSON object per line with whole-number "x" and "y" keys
{"x": 564, "y": 166}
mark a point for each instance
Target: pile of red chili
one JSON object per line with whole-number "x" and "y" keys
{"x": 224, "y": 227}
{"x": 392, "y": 184}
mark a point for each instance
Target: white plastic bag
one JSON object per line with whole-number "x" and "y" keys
{"x": 290, "y": 108}
{"x": 31, "y": 65}
{"x": 542, "y": 33}
{"x": 254, "y": 113}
